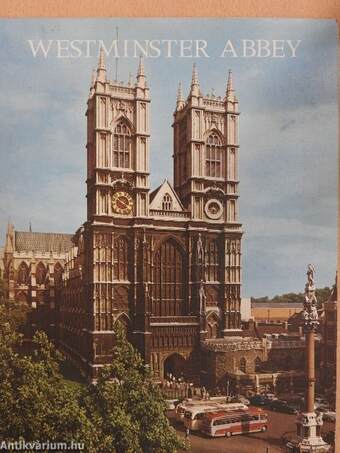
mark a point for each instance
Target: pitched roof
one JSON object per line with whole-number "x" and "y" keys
{"x": 42, "y": 242}
{"x": 156, "y": 197}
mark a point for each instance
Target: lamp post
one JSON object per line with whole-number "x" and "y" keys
{"x": 308, "y": 422}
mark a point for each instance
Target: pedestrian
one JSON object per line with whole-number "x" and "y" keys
{"x": 187, "y": 433}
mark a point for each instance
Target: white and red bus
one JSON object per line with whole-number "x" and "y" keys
{"x": 193, "y": 416}
{"x": 196, "y": 401}
{"x": 221, "y": 423}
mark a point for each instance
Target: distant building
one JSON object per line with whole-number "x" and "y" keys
{"x": 33, "y": 264}
{"x": 274, "y": 312}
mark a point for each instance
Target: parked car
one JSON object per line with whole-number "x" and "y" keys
{"x": 282, "y": 406}
{"x": 240, "y": 399}
{"x": 171, "y": 404}
{"x": 329, "y": 416}
{"x": 270, "y": 396}
{"x": 259, "y": 400}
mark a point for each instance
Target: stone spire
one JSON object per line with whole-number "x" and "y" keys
{"x": 195, "y": 84}
{"x": 9, "y": 245}
{"x": 101, "y": 70}
{"x": 130, "y": 79}
{"x": 141, "y": 80}
{"x": 230, "y": 93}
{"x": 180, "y": 98}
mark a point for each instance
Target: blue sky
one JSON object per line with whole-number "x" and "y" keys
{"x": 288, "y": 132}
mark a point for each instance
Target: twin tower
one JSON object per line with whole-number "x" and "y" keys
{"x": 164, "y": 264}
{"x": 205, "y": 148}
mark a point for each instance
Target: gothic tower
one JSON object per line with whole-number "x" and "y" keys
{"x": 117, "y": 147}
{"x": 206, "y": 150}
{"x": 118, "y": 119}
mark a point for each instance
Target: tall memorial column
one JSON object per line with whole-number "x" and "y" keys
{"x": 309, "y": 422}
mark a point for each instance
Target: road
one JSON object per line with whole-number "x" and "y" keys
{"x": 268, "y": 442}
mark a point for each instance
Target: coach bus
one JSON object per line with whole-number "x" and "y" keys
{"x": 193, "y": 402}
{"x": 221, "y": 423}
{"x": 193, "y": 416}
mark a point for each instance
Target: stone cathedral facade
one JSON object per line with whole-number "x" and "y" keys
{"x": 165, "y": 264}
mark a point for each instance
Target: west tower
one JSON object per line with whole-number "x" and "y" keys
{"x": 118, "y": 122}
{"x": 206, "y": 147}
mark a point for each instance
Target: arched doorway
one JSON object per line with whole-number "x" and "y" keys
{"x": 174, "y": 365}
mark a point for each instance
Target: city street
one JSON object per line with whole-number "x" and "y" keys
{"x": 268, "y": 442}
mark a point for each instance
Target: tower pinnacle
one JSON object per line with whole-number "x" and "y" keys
{"x": 195, "y": 84}
{"x": 180, "y": 98}
{"x": 230, "y": 93}
{"x": 101, "y": 70}
{"x": 141, "y": 81}
{"x": 230, "y": 82}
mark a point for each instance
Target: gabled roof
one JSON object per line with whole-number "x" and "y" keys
{"x": 156, "y": 197}
{"x": 42, "y": 242}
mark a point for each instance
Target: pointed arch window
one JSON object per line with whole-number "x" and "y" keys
{"x": 243, "y": 365}
{"x": 120, "y": 259}
{"x": 23, "y": 274}
{"x": 40, "y": 274}
{"x": 258, "y": 364}
{"x": 213, "y": 156}
{"x": 168, "y": 280}
{"x": 167, "y": 202}
{"x": 58, "y": 271}
{"x": 212, "y": 261}
{"x": 122, "y": 144}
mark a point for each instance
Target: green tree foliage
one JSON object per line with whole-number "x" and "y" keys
{"x": 322, "y": 294}
{"x": 124, "y": 412}
{"x": 35, "y": 402}
{"x": 128, "y": 407}
{"x": 11, "y": 311}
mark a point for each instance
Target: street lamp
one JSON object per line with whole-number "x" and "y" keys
{"x": 308, "y": 422}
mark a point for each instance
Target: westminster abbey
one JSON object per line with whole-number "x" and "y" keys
{"x": 164, "y": 264}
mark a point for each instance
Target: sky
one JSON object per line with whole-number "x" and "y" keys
{"x": 288, "y": 129}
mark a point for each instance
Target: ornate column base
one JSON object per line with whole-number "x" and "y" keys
{"x": 308, "y": 438}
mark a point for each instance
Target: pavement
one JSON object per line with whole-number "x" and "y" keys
{"x": 267, "y": 442}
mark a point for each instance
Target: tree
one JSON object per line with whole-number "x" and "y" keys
{"x": 11, "y": 311}
{"x": 35, "y": 402}
{"x": 128, "y": 406}
{"x": 322, "y": 294}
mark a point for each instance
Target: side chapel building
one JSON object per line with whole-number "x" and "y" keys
{"x": 165, "y": 264}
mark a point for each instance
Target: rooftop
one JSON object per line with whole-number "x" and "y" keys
{"x": 42, "y": 242}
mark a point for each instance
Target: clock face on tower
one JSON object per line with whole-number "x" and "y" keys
{"x": 213, "y": 209}
{"x": 122, "y": 203}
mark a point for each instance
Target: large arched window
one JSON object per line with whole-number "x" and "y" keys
{"x": 168, "y": 280}
{"x": 40, "y": 274}
{"x": 122, "y": 141}
{"x": 167, "y": 202}
{"x": 213, "y": 156}
{"x": 120, "y": 259}
{"x": 23, "y": 274}
{"x": 212, "y": 263}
